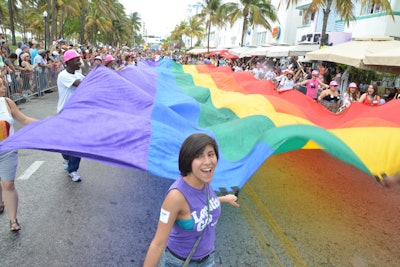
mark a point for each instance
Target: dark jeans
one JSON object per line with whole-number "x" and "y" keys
{"x": 73, "y": 163}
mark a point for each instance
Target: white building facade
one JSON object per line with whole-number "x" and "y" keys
{"x": 370, "y": 20}
{"x": 294, "y": 27}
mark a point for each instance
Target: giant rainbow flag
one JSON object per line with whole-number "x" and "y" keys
{"x": 139, "y": 117}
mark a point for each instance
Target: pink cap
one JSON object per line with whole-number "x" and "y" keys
{"x": 24, "y": 55}
{"x": 109, "y": 58}
{"x": 289, "y": 71}
{"x": 98, "y": 58}
{"x": 333, "y": 83}
{"x": 352, "y": 85}
{"x": 314, "y": 73}
{"x": 70, "y": 54}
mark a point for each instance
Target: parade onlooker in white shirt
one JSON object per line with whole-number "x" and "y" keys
{"x": 287, "y": 82}
{"x": 67, "y": 82}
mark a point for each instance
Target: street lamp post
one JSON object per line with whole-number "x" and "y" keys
{"x": 45, "y": 29}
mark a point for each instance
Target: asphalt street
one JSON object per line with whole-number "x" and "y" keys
{"x": 108, "y": 219}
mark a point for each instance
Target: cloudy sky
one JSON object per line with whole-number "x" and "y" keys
{"x": 160, "y": 16}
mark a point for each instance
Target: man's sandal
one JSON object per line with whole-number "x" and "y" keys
{"x": 14, "y": 226}
{"x": 1, "y": 207}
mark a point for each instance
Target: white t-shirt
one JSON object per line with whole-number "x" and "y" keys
{"x": 286, "y": 84}
{"x": 18, "y": 51}
{"x": 39, "y": 59}
{"x": 5, "y": 115}
{"x": 257, "y": 72}
{"x": 66, "y": 88}
{"x": 270, "y": 75}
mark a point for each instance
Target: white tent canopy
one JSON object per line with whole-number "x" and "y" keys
{"x": 303, "y": 49}
{"x": 258, "y": 51}
{"x": 387, "y": 57}
{"x": 199, "y": 51}
{"x": 366, "y": 53}
{"x": 280, "y": 50}
{"x": 239, "y": 51}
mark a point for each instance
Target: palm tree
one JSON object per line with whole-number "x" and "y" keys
{"x": 12, "y": 11}
{"x": 344, "y": 8}
{"x": 96, "y": 22}
{"x": 4, "y": 15}
{"x": 253, "y": 12}
{"x": 176, "y": 35}
{"x": 68, "y": 9}
{"x": 214, "y": 14}
{"x": 195, "y": 29}
{"x": 179, "y": 30}
{"x": 120, "y": 22}
{"x": 135, "y": 22}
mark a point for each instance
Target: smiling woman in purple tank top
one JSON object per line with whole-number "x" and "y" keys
{"x": 190, "y": 211}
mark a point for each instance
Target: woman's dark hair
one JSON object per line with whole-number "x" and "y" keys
{"x": 13, "y": 56}
{"x": 191, "y": 148}
{"x": 376, "y": 91}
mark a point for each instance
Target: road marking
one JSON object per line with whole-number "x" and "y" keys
{"x": 262, "y": 211}
{"x": 31, "y": 170}
{"x": 268, "y": 252}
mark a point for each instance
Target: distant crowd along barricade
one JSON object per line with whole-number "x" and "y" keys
{"x": 22, "y": 84}
{"x": 35, "y": 79}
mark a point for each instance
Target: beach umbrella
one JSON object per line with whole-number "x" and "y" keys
{"x": 364, "y": 53}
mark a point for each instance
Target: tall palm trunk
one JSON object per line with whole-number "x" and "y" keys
{"x": 243, "y": 31}
{"x": 47, "y": 26}
{"x": 208, "y": 37}
{"x": 326, "y": 12}
{"x": 82, "y": 25}
{"x": 62, "y": 24}
{"x": 53, "y": 33}
{"x": 12, "y": 26}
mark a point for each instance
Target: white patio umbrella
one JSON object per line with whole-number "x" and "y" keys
{"x": 279, "y": 51}
{"x": 239, "y": 51}
{"x": 387, "y": 57}
{"x": 303, "y": 49}
{"x": 258, "y": 51}
{"x": 198, "y": 51}
{"x": 355, "y": 52}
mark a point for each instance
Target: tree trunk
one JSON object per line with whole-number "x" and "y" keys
{"x": 243, "y": 31}
{"x": 53, "y": 33}
{"x": 12, "y": 27}
{"x": 62, "y": 25}
{"x": 47, "y": 26}
{"x": 327, "y": 10}
{"x": 82, "y": 25}
{"x": 208, "y": 37}
{"x": 23, "y": 25}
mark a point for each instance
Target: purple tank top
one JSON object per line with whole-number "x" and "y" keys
{"x": 181, "y": 241}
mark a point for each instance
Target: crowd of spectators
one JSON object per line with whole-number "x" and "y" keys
{"x": 32, "y": 69}
{"x": 326, "y": 84}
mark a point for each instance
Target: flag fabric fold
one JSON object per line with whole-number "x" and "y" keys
{"x": 139, "y": 117}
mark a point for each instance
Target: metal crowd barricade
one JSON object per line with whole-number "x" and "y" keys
{"x": 22, "y": 84}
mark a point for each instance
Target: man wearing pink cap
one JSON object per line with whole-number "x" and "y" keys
{"x": 67, "y": 82}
